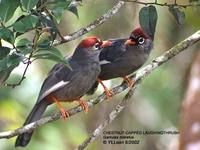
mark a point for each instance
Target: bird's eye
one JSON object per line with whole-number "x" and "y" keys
{"x": 140, "y": 40}
{"x": 97, "y": 46}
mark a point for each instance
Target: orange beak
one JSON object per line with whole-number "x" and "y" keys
{"x": 106, "y": 43}
{"x": 130, "y": 42}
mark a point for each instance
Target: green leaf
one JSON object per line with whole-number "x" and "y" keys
{"x": 50, "y": 50}
{"x": 62, "y": 4}
{"x": 10, "y": 61}
{"x": 72, "y": 7}
{"x": 74, "y": 10}
{"x": 4, "y": 75}
{"x": 57, "y": 13}
{"x": 23, "y": 42}
{"x": 148, "y": 19}
{"x": 13, "y": 60}
{"x": 7, "y": 35}
{"x": 24, "y": 45}
{"x": 4, "y": 51}
{"x": 51, "y": 53}
{"x": 26, "y": 23}
{"x": 7, "y": 9}
{"x": 57, "y": 8}
{"x": 50, "y": 25}
{"x": 178, "y": 14}
{"x": 43, "y": 43}
{"x": 7, "y": 64}
{"x": 29, "y": 4}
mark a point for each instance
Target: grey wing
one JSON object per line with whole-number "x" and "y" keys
{"x": 58, "y": 77}
{"x": 113, "y": 52}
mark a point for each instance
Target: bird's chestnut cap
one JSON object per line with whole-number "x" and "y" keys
{"x": 92, "y": 41}
{"x": 138, "y": 32}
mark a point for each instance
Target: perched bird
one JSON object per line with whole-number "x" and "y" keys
{"x": 66, "y": 85}
{"x": 123, "y": 57}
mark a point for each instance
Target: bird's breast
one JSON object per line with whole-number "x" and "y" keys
{"x": 80, "y": 83}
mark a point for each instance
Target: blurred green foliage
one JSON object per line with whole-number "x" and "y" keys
{"x": 38, "y": 16}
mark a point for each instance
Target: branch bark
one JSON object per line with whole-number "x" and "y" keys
{"x": 92, "y": 25}
{"x": 137, "y": 77}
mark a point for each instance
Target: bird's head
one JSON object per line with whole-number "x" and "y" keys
{"x": 139, "y": 40}
{"x": 137, "y": 37}
{"x": 93, "y": 43}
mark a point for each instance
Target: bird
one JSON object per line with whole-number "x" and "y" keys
{"x": 123, "y": 57}
{"x": 64, "y": 84}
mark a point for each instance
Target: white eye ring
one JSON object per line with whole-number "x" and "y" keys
{"x": 96, "y": 46}
{"x": 140, "y": 40}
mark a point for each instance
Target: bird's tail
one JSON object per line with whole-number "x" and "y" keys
{"x": 93, "y": 88}
{"x": 36, "y": 113}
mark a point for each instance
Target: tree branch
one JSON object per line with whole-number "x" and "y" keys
{"x": 137, "y": 77}
{"x": 13, "y": 85}
{"x": 92, "y": 25}
{"x": 163, "y": 4}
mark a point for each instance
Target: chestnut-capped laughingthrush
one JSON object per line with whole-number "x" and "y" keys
{"x": 65, "y": 84}
{"x": 123, "y": 57}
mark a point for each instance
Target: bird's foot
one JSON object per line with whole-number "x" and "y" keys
{"x": 107, "y": 92}
{"x": 128, "y": 81}
{"x": 64, "y": 114}
{"x": 83, "y": 104}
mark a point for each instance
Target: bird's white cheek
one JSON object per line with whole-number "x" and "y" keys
{"x": 103, "y": 62}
